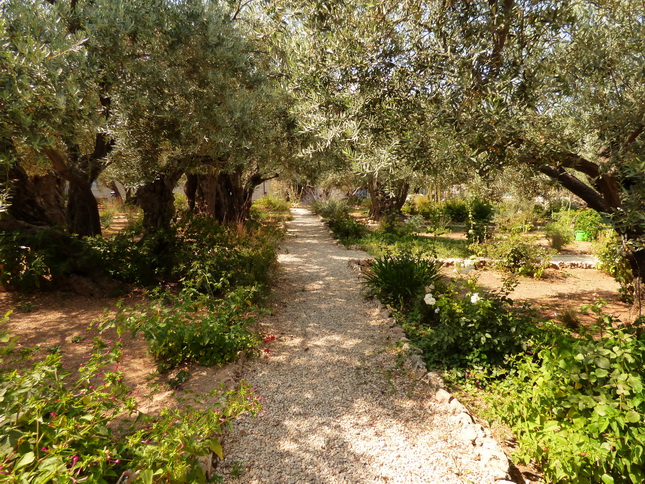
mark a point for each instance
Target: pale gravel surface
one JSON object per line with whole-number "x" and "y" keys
{"x": 339, "y": 406}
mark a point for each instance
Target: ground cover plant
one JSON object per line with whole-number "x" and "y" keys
{"x": 192, "y": 327}
{"x": 400, "y": 279}
{"x": 513, "y": 254}
{"x": 577, "y": 406}
{"x": 87, "y": 428}
{"x": 336, "y": 214}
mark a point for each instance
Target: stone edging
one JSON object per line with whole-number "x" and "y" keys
{"x": 486, "y": 448}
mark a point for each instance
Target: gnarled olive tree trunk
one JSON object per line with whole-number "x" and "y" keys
{"x": 386, "y": 203}
{"x": 37, "y": 200}
{"x": 156, "y": 199}
{"x": 225, "y": 196}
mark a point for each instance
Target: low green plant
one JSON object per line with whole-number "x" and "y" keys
{"x": 480, "y": 210}
{"x": 399, "y": 280}
{"x": 107, "y": 211}
{"x": 380, "y": 243}
{"x": 414, "y": 224}
{"x": 192, "y": 327}
{"x": 272, "y": 203}
{"x": 590, "y": 222}
{"x": 330, "y": 209}
{"x": 560, "y": 229}
{"x": 611, "y": 255}
{"x": 473, "y": 330}
{"x": 193, "y": 248}
{"x": 89, "y": 429}
{"x": 456, "y": 209}
{"x": 424, "y": 206}
{"x": 577, "y": 407}
{"x": 558, "y": 235}
{"x": 512, "y": 254}
{"x": 346, "y": 228}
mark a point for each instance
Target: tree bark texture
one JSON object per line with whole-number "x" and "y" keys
{"x": 385, "y": 203}
{"x": 35, "y": 200}
{"x": 81, "y": 171}
{"x": 156, "y": 199}
{"x": 225, "y": 196}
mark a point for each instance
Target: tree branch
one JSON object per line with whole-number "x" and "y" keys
{"x": 592, "y": 197}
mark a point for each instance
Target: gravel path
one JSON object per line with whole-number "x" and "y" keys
{"x": 341, "y": 407}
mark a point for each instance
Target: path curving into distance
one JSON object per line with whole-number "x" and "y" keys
{"x": 339, "y": 406}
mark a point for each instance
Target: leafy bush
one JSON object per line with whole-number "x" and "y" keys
{"x": 400, "y": 279}
{"x": 272, "y": 203}
{"x": 346, "y": 228}
{"x": 456, "y": 209}
{"x": 590, "y": 222}
{"x": 469, "y": 331}
{"x": 480, "y": 214}
{"x": 513, "y": 255}
{"x": 107, "y": 213}
{"x": 611, "y": 254}
{"x": 85, "y": 430}
{"x": 577, "y": 408}
{"x": 480, "y": 211}
{"x": 193, "y": 248}
{"x": 412, "y": 225}
{"x": 192, "y": 327}
{"x": 330, "y": 209}
{"x": 425, "y": 207}
{"x": 558, "y": 235}
{"x": 380, "y": 243}
{"x": 41, "y": 259}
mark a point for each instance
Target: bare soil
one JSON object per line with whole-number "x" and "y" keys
{"x": 565, "y": 290}
{"x": 59, "y": 321}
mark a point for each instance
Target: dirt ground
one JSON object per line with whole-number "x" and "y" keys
{"x": 562, "y": 290}
{"x": 54, "y": 321}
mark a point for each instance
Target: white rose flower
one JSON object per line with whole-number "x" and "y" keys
{"x": 429, "y": 300}
{"x": 436, "y": 310}
{"x": 474, "y": 299}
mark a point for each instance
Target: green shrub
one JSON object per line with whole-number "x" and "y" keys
{"x": 469, "y": 331}
{"x": 89, "y": 430}
{"x": 346, "y": 228}
{"x": 480, "y": 211}
{"x": 412, "y": 225}
{"x": 513, "y": 255}
{"x": 558, "y": 235}
{"x": 611, "y": 255}
{"x": 590, "y": 222}
{"x": 192, "y": 327}
{"x": 195, "y": 247}
{"x": 456, "y": 209}
{"x": 330, "y": 209}
{"x": 380, "y": 243}
{"x": 41, "y": 259}
{"x": 272, "y": 203}
{"x": 425, "y": 207}
{"x": 401, "y": 279}
{"x": 577, "y": 407}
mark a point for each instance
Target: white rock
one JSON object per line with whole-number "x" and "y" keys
{"x": 442, "y": 396}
